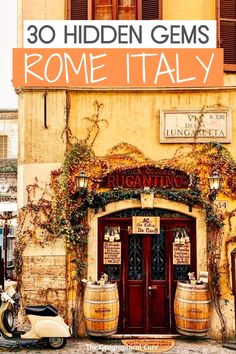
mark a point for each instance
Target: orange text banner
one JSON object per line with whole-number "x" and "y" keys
{"x": 125, "y": 68}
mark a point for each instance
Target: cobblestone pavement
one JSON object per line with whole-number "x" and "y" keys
{"x": 110, "y": 346}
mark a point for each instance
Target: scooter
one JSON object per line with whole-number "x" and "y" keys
{"x": 45, "y": 323}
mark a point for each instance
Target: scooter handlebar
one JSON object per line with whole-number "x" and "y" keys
{"x": 6, "y": 298}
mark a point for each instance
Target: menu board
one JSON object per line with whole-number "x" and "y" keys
{"x": 111, "y": 252}
{"x": 181, "y": 253}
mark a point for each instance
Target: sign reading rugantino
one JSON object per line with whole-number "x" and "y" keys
{"x": 189, "y": 126}
{"x": 152, "y": 177}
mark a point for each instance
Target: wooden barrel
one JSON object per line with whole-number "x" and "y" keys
{"x": 101, "y": 309}
{"x": 192, "y": 309}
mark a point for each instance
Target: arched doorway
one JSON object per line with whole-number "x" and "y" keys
{"x": 147, "y": 274}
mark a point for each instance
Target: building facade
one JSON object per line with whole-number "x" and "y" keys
{"x": 127, "y": 144}
{"x": 8, "y": 183}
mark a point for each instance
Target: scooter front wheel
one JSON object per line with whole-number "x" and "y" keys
{"x": 56, "y": 342}
{"x": 8, "y": 320}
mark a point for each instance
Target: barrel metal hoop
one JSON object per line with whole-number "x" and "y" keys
{"x": 193, "y": 319}
{"x": 97, "y": 290}
{"x": 101, "y": 320}
{"x": 100, "y": 302}
{"x": 191, "y": 290}
{"x": 192, "y": 331}
{"x": 101, "y": 333}
{"x": 193, "y": 301}
{"x": 106, "y": 287}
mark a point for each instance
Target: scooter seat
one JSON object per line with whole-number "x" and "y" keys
{"x": 48, "y": 310}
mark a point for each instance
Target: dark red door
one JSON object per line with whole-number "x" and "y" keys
{"x": 146, "y": 277}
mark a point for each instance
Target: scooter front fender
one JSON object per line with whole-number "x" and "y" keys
{"x": 52, "y": 327}
{"x": 3, "y": 308}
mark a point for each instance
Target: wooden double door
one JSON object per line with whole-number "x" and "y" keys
{"x": 146, "y": 275}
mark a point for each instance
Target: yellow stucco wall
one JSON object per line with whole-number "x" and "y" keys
{"x": 134, "y": 114}
{"x": 37, "y": 143}
{"x": 133, "y": 117}
{"x": 189, "y": 9}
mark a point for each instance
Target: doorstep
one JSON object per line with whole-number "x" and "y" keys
{"x": 144, "y": 336}
{"x": 230, "y": 345}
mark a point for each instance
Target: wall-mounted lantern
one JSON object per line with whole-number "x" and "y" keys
{"x": 82, "y": 181}
{"x": 214, "y": 184}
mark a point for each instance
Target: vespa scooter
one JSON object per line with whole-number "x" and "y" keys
{"x": 45, "y": 323}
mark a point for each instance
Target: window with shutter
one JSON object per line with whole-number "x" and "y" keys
{"x": 150, "y": 9}
{"x": 79, "y": 9}
{"x": 227, "y": 24}
{"x": 114, "y": 9}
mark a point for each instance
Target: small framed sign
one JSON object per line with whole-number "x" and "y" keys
{"x": 146, "y": 225}
{"x": 190, "y": 126}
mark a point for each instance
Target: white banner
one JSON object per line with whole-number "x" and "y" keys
{"x": 120, "y": 34}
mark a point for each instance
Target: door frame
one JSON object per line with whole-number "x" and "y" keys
{"x": 170, "y": 271}
{"x": 161, "y": 203}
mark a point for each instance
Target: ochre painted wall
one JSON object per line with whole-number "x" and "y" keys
{"x": 133, "y": 117}
{"x": 134, "y": 114}
{"x": 189, "y": 9}
{"x": 37, "y": 143}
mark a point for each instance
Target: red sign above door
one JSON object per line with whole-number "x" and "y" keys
{"x": 148, "y": 176}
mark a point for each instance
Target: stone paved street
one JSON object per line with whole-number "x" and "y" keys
{"x": 99, "y": 346}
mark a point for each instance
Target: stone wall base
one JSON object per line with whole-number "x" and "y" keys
{"x": 43, "y": 283}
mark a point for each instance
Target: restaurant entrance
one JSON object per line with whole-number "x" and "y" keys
{"x": 146, "y": 271}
